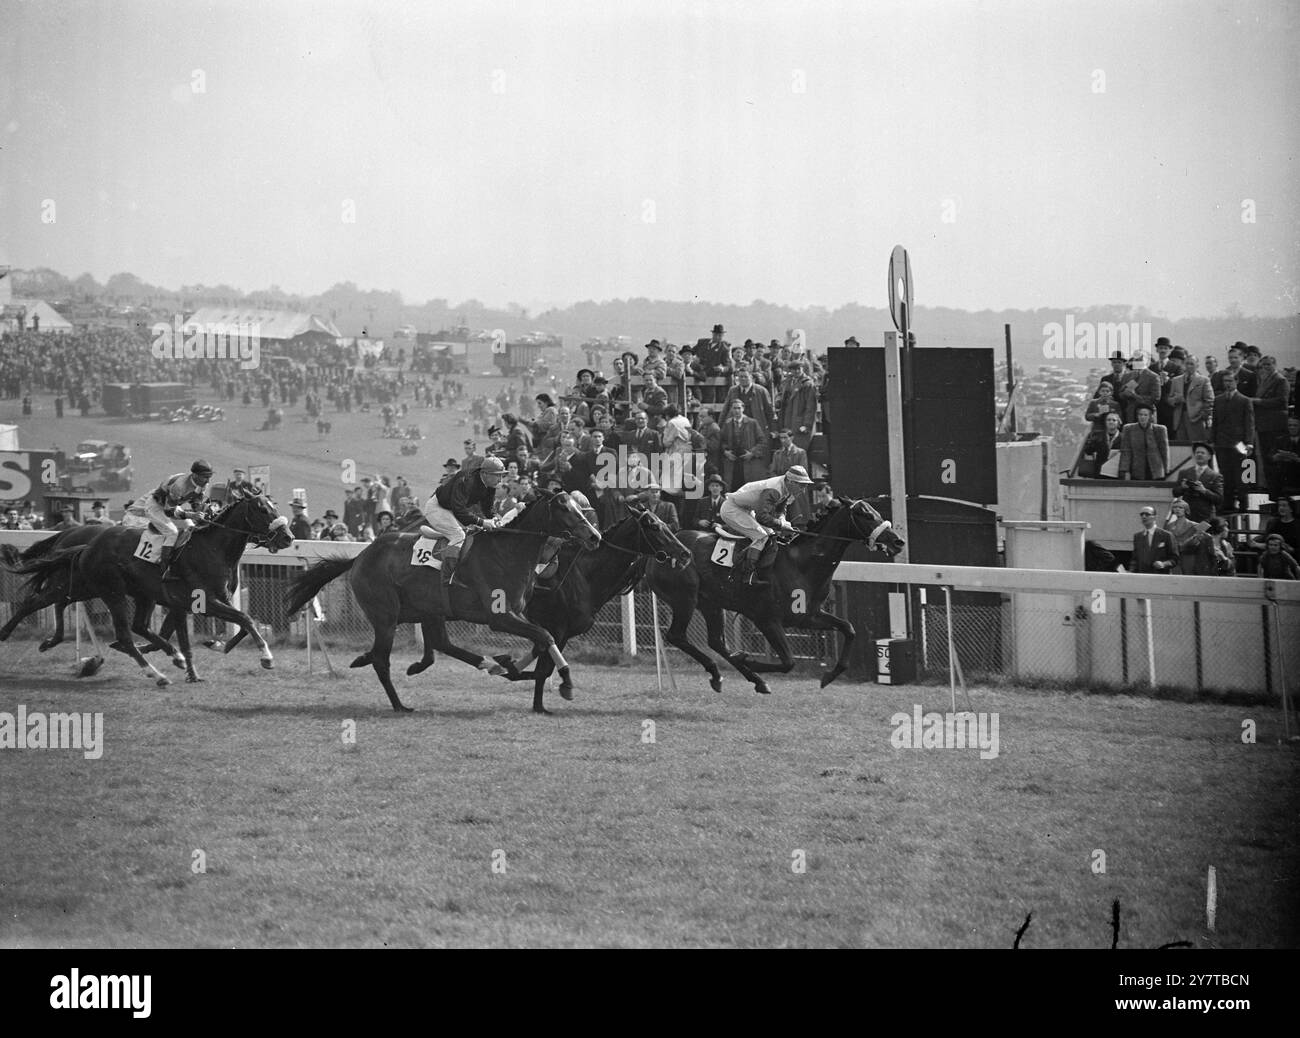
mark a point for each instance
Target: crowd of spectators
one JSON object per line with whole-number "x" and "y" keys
{"x": 1240, "y": 422}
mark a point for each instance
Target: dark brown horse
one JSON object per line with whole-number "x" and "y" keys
{"x": 498, "y": 570}
{"x": 50, "y": 589}
{"x": 105, "y": 567}
{"x": 584, "y": 582}
{"x": 795, "y": 594}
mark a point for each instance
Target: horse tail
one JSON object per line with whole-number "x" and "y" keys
{"x": 43, "y": 570}
{"x": 11, "y": 557}
{"x": 307, "y": 584}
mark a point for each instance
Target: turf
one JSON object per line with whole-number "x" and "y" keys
{"x": 604, "y": 839}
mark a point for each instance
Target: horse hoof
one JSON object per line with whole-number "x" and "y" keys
{"x": 362, "y": 661}
{"x": 418, "y": 667}
{"x": 566, "y": 693}
{"x": 193, "y": 679}
{"x": 762, "y": 689}
{"x": 497, "y": 671}
{"x": 216, "y": 645}
{"x": 398, "y": 708}
{"x": 828, "y": 678}
{"x": 716, "y": 682}
{"x": 541, "y": 710}
{"x": 47, "y": 645}
{"x": 268, "y": 664}
{"x": 179, "y": 662}
{"x": 162, "y": 682}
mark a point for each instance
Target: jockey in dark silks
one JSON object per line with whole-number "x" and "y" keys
{"x": 171, "y": 506}
{"x": 465, "y": 499}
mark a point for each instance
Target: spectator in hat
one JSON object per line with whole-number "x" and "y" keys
{"x": 690, "y": 362}
{"x": 317, "y": 530}
{"x": 354, "y": 511}
{"x": 654, "y": 361}
{"x": 99, "y": 515}
{"x": 450, "y": 467}
{"x": 713, "y": 354}
{"x": 586, "y": 383}
{"x": 757, "y": 403}
{"x": 299, "y": 525}
{"x": 1118, "y": 365}
{"x": 1285, "y": 524}
{"x": 665, "y": 510}
{"x": 1233, "y": 427}
{"x": 1200, "y": 486}
{"x": 69, "y": 519}
{"x": 1246, "y": 381}
{"x": 709, "y": 506}
{"x": 1269, "y": 400}
{"x": 798, "y": 409}
{"x": 1167, "y": 365}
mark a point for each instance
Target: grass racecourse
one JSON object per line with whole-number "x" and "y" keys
{"x": 475, "y": 823}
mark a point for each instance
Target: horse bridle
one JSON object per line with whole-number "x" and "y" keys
{"x": 643, "y": 539}
{"x": 870, "y": 541}
{"x": 261, "y": 540}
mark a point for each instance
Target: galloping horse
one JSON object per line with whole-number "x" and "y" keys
{"x": 585, "y": 581}
{"x": 50, "y": 589}
{"x": 498, "y": 571}
{"x": 795, "y": 595}
{"x": 106, "y": 567}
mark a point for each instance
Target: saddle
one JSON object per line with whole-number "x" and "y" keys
{"x": 730, "y": 535}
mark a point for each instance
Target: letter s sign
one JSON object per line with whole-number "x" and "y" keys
{"x": 15, "y": 477}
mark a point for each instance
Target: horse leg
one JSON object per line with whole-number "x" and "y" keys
{"x": 822, "y": 620}
{"x": 178, "y": 619}
{"x": 677, "y": 635}
{"x": 225, "y": 611}
{"x": 140, "y": 625}
{"x": 428, "y": 636}
{"x": 772, "y": 630}
{"x": 380, "y": 654}
{"x": 543, "y": 643}
{"x": 718, "y": 643}
{"x": 125, "y": 642}
{"x": 435, "y": 637}
{"x": 51, "y": 596}
{"x": 544, "y": 669}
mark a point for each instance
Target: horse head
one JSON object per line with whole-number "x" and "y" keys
{"x": 254, "y": 514}
{"x": 866, "y": 524}
{"x": 655, "y": 537}
{"x": 564, "y": 518}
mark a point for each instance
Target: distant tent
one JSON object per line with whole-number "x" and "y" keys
{"x": 271, "y": 326}
{"x": 31, "y": 315}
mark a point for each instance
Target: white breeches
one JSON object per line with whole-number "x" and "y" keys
{"x": 438, "y": 518}
{"x": 147, "y": 511}
{"x": 742, "y": 520}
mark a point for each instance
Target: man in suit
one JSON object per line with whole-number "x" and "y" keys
{"x": 784, "y": 458}
{"x": 1283, "y": 455}
{"x": 642, "y": 438}
{"x": 706, "y": 512}
{"x": 799, "y": 404}
{"x": 1192, "y": 400}
{"x": 743, "y": 453}
{"x": 1269, "y": 401}
{"x": 1234, "y": 433}
{"x": 300, "y": 525}
{"x": 1165, "y": 367}
{"x": 1143, "y": 447}
{"x": 1137, "y": 387}
{"x": 1246, "y": 380}
{"x": 713, "y": 355}
{"x": 757, "y": 401}
{"x": 1117, "y": 370}
{"x": 1200, "y": 486}
{"x": 1154, "y": 549}
{"x": 665, "y": 510}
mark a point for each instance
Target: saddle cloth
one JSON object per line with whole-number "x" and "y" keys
{"x": 151, "y": 545}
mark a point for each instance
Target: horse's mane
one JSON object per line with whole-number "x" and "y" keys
{"x": 542, "y": 497}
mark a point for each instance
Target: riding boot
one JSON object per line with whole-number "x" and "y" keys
{"x": 166, "y": 560}
{"x": 748, "y": 565}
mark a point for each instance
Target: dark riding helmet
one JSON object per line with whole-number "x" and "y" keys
{"x": 201, "y": 468}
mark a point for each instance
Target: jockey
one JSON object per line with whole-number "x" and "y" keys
{"x": 756, "y": 509}
{"x": 180, "y": 497}
{"x": 474, "y": 486}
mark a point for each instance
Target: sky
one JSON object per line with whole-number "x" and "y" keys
{"x": 1026, "y": 154}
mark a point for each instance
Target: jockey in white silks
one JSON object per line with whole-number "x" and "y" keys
{"x": 756, "y": 509}
{"x": 170, "y": 507}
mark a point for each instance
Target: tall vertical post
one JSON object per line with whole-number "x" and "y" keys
{"x": 897, "y": 453}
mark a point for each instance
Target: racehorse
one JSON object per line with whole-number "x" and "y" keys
{"x": 585, "y": 581}
{"x": 799, "y": 583}
{"x": 105, "y": 567}
{"x": 498, "y": 570}
{"x": 50, "y": 588}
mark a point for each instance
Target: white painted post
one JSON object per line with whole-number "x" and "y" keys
{"x": 629, "y": 624}
{"x": 1211, "y": 899}
{"x": 1151, "y": 645}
